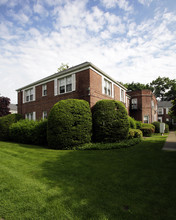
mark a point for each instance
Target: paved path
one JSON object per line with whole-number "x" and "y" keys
{"x": 170, "y": 143}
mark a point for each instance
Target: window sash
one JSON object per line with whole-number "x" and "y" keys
{"x": 66, "y": 85}
{"x": 107, "y": 87}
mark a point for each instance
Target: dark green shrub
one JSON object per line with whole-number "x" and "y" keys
{"x": 134, "y": 133}
{"x": 29, "y": 132}
{"x": 138, "y": 124}
{"x": 157, "y": 126}
{"x": 110, "y": 121}
{"x": 69, "y": 124}
{"x": 5, "y": 123}
{"x": 152, "y": 127}
{"x": 147, "y": 132}
{"x": 132, "y": 122}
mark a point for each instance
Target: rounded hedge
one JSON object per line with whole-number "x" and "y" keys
{"x": 69, "y": 124}
{"x": 5, "y": 123}
{"x": 157, "y": 126}
{"x": 110, "y": 121}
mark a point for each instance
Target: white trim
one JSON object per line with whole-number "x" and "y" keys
{"x": 73, "y": 82}
{"x": 112, "y": 90}
{"x": 34, "y": 116}
{"x": 55, "y": 87}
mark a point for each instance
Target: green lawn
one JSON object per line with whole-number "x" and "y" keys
{"x": 130, "y": 183}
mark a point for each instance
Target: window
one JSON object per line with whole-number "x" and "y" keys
{"x": 65, "y": 85}
{"x": 146, "y": 119}
{"x": 44, "y": 90}
{"x": 44, "y": 114}
{"x": 30, "y": 116}
{"x": 107, "y": 87}
{"x": 134, "y": 103}
{"x": 122, "y": 95}
{"x": 167, "y": 119}
{"x": 160, "y": 119}
{"x": 167, "y": 111}
{"x": 29, "y": 94}
{"x": 160, "y": 111}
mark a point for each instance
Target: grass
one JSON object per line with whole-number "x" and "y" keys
{"x": 129, "y": 183}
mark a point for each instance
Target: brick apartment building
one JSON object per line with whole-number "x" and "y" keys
{"x": 143, "y": 106}
{"x": 84, "y": 81}
{"x": 163, "y": 112}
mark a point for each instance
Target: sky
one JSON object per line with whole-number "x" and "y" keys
{"x": 130, "y": 40}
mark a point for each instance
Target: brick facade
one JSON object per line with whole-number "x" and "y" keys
{"x": 88, "y": 86}
{"x": 143, "y": 106}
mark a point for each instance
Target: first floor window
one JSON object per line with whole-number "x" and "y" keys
{"x": 44, "y": 114}
{"x": 146, "y": 119}
{"x": 107, "y": 87}
{"x": 30, "y": 116}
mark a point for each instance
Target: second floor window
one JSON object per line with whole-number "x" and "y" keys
{"x": 65, "y": 84}
{"x": 134, "y": 103}
{"x": 29, "y": 95}
{"x": 160, "y": 111}
{"x": 122, "y": 96}
{"x": 44, "y": 90}
{"x": 107, "y": 87}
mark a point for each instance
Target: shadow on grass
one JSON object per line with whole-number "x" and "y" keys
{"x": 117, "y": 184}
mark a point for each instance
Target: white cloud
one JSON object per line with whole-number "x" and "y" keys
{"x": 122, "y": 4}
{"x": 39, "y": 9}
{"x": 145, "y": 2}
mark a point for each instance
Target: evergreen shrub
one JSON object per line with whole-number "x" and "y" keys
{"x": 134, "y": 133}
{"x": 147, "y": 129}
{"x": 166, "y": 128}
{"x": 157, "y": 126}
{"x": 110, "y": 121}
{"x": 138, "y": 124}
{"x": 132, "y": 122}
{"x": 69, "y": 124}
{"x": 29, "y": 132}
{"x": 5, "y": 123}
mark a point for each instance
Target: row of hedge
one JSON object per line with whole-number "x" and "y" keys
{"x": 71, "y": 123}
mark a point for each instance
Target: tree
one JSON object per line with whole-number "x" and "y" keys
{"x": 172, "y": 111}
{"x": 63, "y": 67}
{"x": 136, "y": 86}
{"x": 4, "y": 103}
{"x": 164, "y": 88}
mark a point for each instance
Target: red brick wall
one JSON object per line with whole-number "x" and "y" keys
{"x": 84, "y": 80}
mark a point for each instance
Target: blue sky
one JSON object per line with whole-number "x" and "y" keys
{"x": 131, "y": 40}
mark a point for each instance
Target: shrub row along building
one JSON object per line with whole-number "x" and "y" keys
{"x": 84, "y": 81}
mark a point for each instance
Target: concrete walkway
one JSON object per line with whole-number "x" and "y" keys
{"x": 170, "y": 143}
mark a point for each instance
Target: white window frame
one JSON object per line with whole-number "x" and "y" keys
{"x": 44, "y": 114}
{"x": 134, "y": 103}
{"x": 29, "y": 94}
{"x": 44, "y": 90}
{"x": 107, "y": 88}
{"x": 160, "y": 119}
{"x": 122, "y": 95}
{"x": 167, "y": 111}
{"x": 147, "y": 119}
{"x": 30, "y": 116}
{"x": 64, "y": 78}
{"x": 160, "y": 113}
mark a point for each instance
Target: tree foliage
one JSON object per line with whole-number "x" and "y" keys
{"x": 62, "y": 67}
{"x": 136, "y": 86}
{"x": 4, "y": 109}
{"x": 172, "y": 111}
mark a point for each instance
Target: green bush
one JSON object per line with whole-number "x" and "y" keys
{"x": 132, "y": 122}
{"x": 5, "y": 123}
{"x": 166, "y": 128}
{"x": 138, "y": 124}
{"x": 134, "y": 133}
{"x": 152, "y": 127}
{"x": 69, "y": 124}
{"x": 157, "y": 126}
{"x": 110, "y": 121}
{"x": 29, "y": 132}
{"x": 147, "y": 132}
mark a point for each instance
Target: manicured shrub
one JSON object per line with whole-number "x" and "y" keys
{"x": 147, "y": 132}
{"x": 157, "y": 126}
{"x": 152, "y": 127}
{"x": 134, "y": 133}
{"x": 5, "y": 123}
{"x": 110, "y": 121}
{"x": 138, "y": 124}
{"x": 29, "y": 132}
{"x": 69, "y": 124}
{"x": 132, "y": 122}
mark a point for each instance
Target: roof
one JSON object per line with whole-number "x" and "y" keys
{"x": 165, "y": 104}
{"x": 85, "y": 65}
